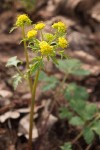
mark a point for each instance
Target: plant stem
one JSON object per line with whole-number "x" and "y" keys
{"x": 20, "y": 73}
{"x": 32, "y": 90}
{"x": 25, "y": 47}
{"x": 88, "y": 147}
{"x": 62, "y": 83}
{"x": 27, "y": 59}
{"x": 32, "y": 110}
{"x": 77, "y": 137}
{"x": 41, "y": 35}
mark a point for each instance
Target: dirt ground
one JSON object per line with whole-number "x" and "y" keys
{"x": 83, "y": 20}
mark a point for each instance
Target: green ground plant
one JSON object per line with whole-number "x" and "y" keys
{"x": 78, "y": 111}
{"x": 48, "y": 46}
{"x": 81, "y": 113}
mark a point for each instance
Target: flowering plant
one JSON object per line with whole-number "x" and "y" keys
{"x": 47, "y": 46}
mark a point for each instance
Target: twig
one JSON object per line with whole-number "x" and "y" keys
{"x": 88, "y": 147}
{"x": 14, "y": 104}
{"x": 77, "y": 137}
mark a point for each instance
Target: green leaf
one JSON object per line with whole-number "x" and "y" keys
{"x": 88, "y": 135}
{"x": 89, "y": 111}
{"x": 96, "y": 127}
{"x": 62, "y": 54}
{"x": 34, "y": 67}
{"x": 75, "y": 92}
{"x": 16, "y": 80}
{"x": 76, "y": 96}
{"x": 34, "y": 48}
{"x": 45, "y": 78}
{"x": 37, "y": 59}
{"x": 76, "y": 121}
{"x": 72, "y": 66}
{"x": 85, "y": 110}
{"x": 66, "y": 146}
{"x": 48, "y": 86}
{"x": 42, "y": 76}
{"x": 37, "y": 63}
{"x": 78, "y": 106}
{"x": 36, "y": 41}
{"x": 55, "y": 61}
{"x": 80, "y": 72}
{"x": 50, "y": 82}
{"x": 65, "y": 113}
{"x": 13, "y": 61}
{"x": 51, "y": 79}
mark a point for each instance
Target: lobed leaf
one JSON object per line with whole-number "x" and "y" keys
{"x": 34, "y": 67}
{"x": 75, "y": 92}
{"x": 49, "y": 86}
{"x": 66, "y": 146}
{"x": 89, "y": 111}
{"x": 78, "y": 106}
{"x": 13, "y": 61}
{"x": 80, "y": 72}
{"x": 96, "y": 127}
{"x": 50, "y": 82}
{"x": 65, "y": 113}
{"x": 76, "y": 121}
{"x": 16, "y": 80}
{"x": 88, "y": 135}
{"x": 72, "y": 66}
{"x": 37, "y": 63}
{"x": 42, "y": 76}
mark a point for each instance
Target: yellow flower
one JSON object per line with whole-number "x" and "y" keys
{"x": 45, "y": 48}
{"x": 60, "y": 26}
{"x": 62, "y": 42}
{"x": 31, "y": 33}
{"x": 39, "y": 26}
{"x": 23, "y": 20}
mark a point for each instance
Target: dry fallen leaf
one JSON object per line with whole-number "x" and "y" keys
{"x": 9, "y": 114}
{"x": 24, "y": 128}
{"x": 24, "y": 110}
{"x": 95, "y": 12}
{"x": 89, "y": 62}
{"x": 47, "y": 117}
{"x": 6, "y": 94}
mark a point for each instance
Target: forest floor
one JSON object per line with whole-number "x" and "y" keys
{"x": 83, "y": 21}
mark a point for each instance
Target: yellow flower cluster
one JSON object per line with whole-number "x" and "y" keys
{"x": 62, "y": 42}
{"x": 45, "y": 48}
{"x": 39, "y": 26}
{"x": 31, "y": 34}
{"x": 49, "y": 36}
{"x": 23, "y": 20}
{"x": 60, "y": 26}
